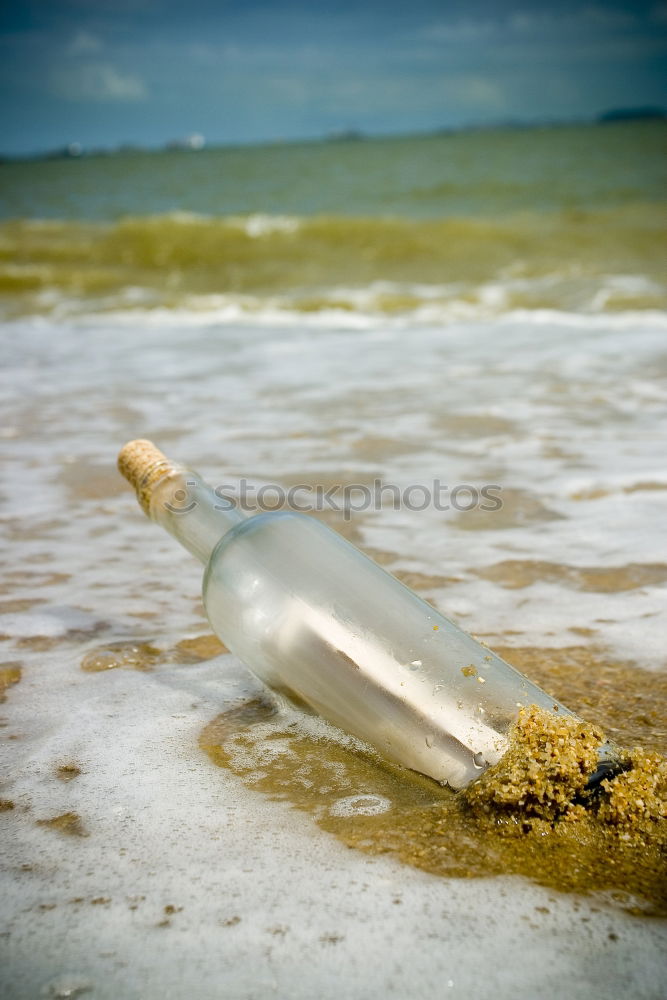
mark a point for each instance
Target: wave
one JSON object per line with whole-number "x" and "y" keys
{"x": 593, "y": 261}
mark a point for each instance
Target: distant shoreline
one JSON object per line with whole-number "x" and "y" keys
{"x": 78, "y": 151}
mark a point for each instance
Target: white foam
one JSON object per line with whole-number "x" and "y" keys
{"x": 47, "y": 622}
{"x": 548, "y": 299}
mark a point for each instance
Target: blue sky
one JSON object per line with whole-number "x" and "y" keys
{"x": 102, "y": 72}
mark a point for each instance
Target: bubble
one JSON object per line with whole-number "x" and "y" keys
{"x": 360, "y": 805}
{"x": 135, "y": 655}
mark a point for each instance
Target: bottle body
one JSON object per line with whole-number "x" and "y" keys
{"x": 315, "y": 618}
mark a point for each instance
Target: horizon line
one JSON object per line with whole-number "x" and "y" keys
{"x": 195, "y": 142}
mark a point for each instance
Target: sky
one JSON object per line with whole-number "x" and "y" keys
{"x": 106, "y": 72}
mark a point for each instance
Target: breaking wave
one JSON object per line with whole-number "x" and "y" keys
{"x": 586, "y": 261}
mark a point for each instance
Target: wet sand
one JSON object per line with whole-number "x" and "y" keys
{"x": 529, "y": 815}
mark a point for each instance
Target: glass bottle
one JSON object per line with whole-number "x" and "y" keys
{"x": 317, "y": 620}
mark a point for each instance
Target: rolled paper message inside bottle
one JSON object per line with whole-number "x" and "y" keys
{"x": 317, "y": 620}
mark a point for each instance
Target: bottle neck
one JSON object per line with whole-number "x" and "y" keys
{"x": 183, "y": 504}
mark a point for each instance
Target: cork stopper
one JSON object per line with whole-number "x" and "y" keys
{"x": 143, "y": 465}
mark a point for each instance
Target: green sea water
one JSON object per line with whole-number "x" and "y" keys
{"x": 566, "y": 217}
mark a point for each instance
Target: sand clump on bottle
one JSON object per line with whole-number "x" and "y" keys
{"x": 542, "y": 773}
{"x": 531, "y": 814}
{"x": 542, "y": 779}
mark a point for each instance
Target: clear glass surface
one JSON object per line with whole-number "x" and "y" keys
{"x": 315, "y": 618}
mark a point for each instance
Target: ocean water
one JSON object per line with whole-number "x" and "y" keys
{"x": 480, "y": 309}
{"x": 452, "y": 226}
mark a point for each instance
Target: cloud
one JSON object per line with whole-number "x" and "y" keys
{"x": 475, "y": 93}
{"x": 456, "y": 31}
{"x": 98, "y": 82}
{"x": 84, "y": 42}
{"x": 590, "y": 18}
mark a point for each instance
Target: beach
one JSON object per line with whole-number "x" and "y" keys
{"x": 477, "y": 309}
